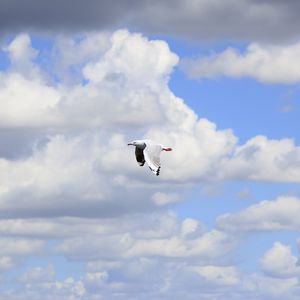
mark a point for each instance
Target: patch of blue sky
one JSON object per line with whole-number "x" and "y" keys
{"x": 244, "y": 105}
{"x": 45, "y": 57}
{"x": 4, "y": 61}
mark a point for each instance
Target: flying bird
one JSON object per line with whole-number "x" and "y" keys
{"x": 149, "y": 151}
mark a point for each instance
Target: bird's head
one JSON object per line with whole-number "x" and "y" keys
{"x": 137, "y": 143}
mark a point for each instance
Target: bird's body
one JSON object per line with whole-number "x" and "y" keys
{"x": 149, "y": 151}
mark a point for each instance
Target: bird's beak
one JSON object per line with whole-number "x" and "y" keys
{"x": 168, "y": 149}
{"x": 130, "y": 144}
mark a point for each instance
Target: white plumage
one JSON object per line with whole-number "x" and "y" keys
{"x": 149, "y": 151}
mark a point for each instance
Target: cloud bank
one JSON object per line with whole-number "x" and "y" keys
{"x": 71, "y": 186}
{"x": 200, "y": 20}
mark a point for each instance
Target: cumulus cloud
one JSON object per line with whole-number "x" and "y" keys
{"x": 219, "y": 275}
{"x": 279, "y": 214}
{"x": 113, "y": 95}
{"x": 37, "y": 281}
{"x": 269, "y": 64}
{"x": 19, "y": 246}
{"x": 187, "y": 242}
{"x": 20, "y": 50}
{"x": 160, "y": 198}
{"x": 263, "y": 159}
{"x": 172, "y": 281}
{"x": 280, "y": 262}
{"x": 79, "y": 184}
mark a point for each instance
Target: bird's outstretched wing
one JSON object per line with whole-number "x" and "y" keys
{"x": 152, "y": 157}
{"x": 139, "y": 155}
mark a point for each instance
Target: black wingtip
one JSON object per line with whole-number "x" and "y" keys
{"x": 157, "y": 172}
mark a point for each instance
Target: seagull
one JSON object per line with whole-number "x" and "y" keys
{"x": 149, "y": 151}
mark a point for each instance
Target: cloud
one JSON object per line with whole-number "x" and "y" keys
{"x": 200, "y": 20}
{"x": 279, "y": 214}
{"x": 163, "y": 198}
{"x": 110, "y": 78}
{"x": 263, "y": 159}
{"x": 6, "y": 263}
{"x": 21, "y": 104}
{"x": 77, "y": 191}
{"x": 37, "y": 281}
{"x": 219, "y": 275}
{"x": 55, "y": 16}
{"x": 134, "y": 57}
{"x": 112, "y": 94}
{"x": 186, "y": 241}
{"x": 279, "y": 262}
{"x": 268, "y": 64}
{"x": 16, "y": 246}
{"x": 172, "y": 281}
{"x": 20, "y": 50}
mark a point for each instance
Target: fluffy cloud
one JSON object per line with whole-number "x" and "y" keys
{"x": 21, "y": 103}
{"x": 270, "y": 64}
{"x": 39, "y": 281}
{"x": 280, "y": 214}
{"x": 279, "y": 262}
{"x": 171, "y": 282}
{"x": 64, "y": 106}
{"x": 6, "y": 263}
{"x": 78, "y": 183}
{"x": 19, "y": 246}
{"x": 126, "y": 245}
{"x": 112, "y": 95}
{"x": 263, "y": 159}
{"x": 219, "y": 275}
{"x": 133, "y": 57}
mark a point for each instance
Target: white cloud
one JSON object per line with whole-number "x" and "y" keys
{"x": 209, "y": 245}
{"x": 191, "y": 228}
{"x": 80, "y": 185}
{"x": 264, "y": 287}
{"x": 134, "y": 57}
{"x": 10, "y": 246}
{"x": 38, "y": 274}
{"x": 120, "y": 94}
{"x": 219, "y": 275}
{"x": 280, "y": 262}
{"x": 270, "y": 64}
{"x": 279, "y": 214}
{"x": 21, "y": 55}
{"x": 21, "y": 104}
{"x": 263, "y": 159}
{"x": 160, "y": 198}
{"x": 198, "y": 149}
{"x": 37, "y": 281}
{"x": 6, "y": 263}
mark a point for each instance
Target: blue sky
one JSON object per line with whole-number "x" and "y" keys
{"x": 79, "y": 219}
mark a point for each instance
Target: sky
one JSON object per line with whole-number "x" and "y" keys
{"x": 218, "y": 81}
